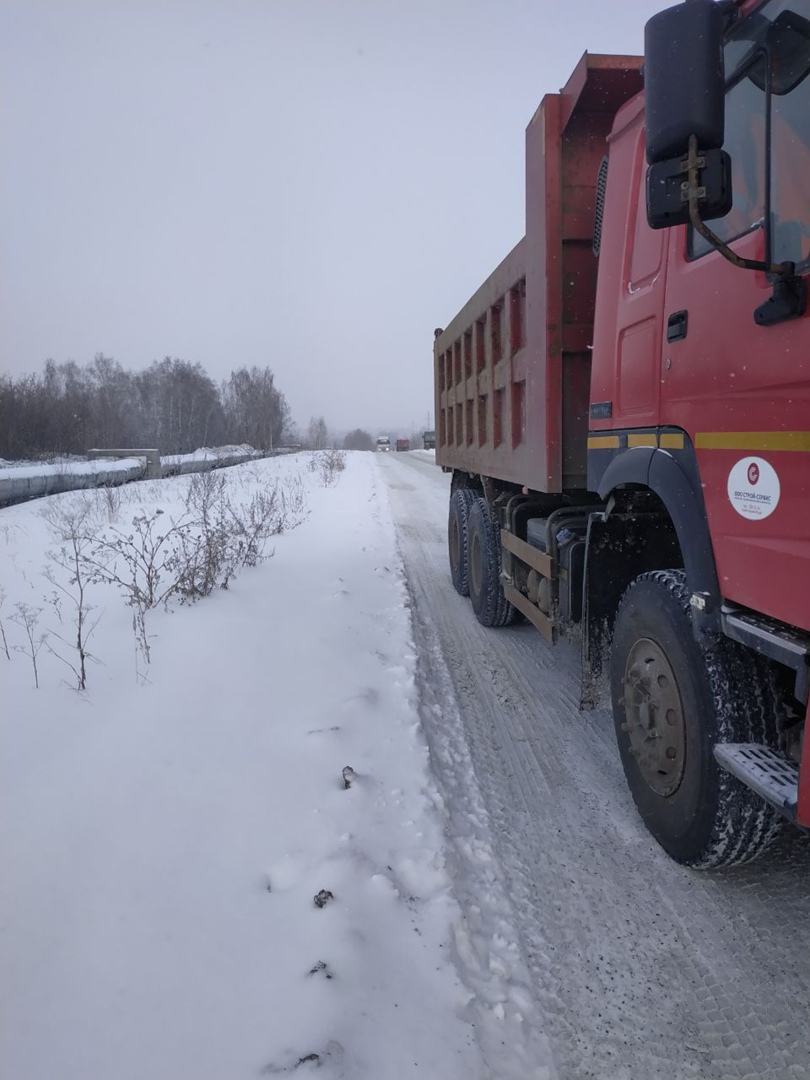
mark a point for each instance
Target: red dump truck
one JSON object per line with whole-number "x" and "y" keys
{"x": 624, "y": 406}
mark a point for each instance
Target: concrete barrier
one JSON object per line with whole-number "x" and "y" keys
{"x": 35, "y": 481}
{"x": 23, "y": 482}
{"x": 152, "y": 459}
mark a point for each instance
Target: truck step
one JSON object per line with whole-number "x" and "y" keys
{"x": 764, "y": 771}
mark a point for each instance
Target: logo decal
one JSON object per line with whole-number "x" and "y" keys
{"x": 753, "y": 488}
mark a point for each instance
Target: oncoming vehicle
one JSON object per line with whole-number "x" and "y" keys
{"x": 383, "y": 443}
{"x": 624, "y": 407}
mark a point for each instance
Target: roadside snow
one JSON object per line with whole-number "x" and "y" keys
{"x": 166, "y": 831}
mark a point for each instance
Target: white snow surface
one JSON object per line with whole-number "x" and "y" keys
{"x": 165, "y": 831}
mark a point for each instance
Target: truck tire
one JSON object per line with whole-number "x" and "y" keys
{"x": 460, "y": 502}
{"x": 484, "y": 568}
{"x": 673, "y": 700}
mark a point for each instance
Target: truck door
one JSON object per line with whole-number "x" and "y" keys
{"x": 741, "y": 391}
{"x": 638, "y": 329}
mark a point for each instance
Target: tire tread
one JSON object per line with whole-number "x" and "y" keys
{"x": 491, "y": 608}
{"x": 460, "y": 502}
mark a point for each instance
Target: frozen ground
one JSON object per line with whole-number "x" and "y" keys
{"x": 497, "y": 910}
{"x": 165, "y": 831}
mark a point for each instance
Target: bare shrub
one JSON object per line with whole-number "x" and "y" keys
{"x": 141, "y": 564}
{"x": 294, "y": 499}
{"x": 137, "y": 562}
{"x": 160, "y": 558}
{"x": 110, "y": 499}
{"x": 249, "y": 474}
{"x": 327, "y": 464}
{"x": 203, "y": 560}
{"x": 207, "y": 492}
{"x": 71, "y": 523}
{"x": 27, "y": 617}
{"x": 254, "y": 522}
{"x": 208, "y": 552}
{"x": 233, "y": 533}
{"x": 2, "y": 627}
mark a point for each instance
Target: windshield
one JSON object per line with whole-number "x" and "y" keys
{"x": 768, "y": 130}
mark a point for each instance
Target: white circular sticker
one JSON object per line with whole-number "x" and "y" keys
{"x": 753, "y": 488}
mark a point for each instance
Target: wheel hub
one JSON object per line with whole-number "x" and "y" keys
{"x": 654, "y": 717}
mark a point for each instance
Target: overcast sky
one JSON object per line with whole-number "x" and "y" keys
{"x": 312, "y": 185}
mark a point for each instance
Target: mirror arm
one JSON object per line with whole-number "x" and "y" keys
{"x": 694, "y": 192}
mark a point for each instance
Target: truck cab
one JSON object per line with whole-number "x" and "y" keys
{"x": 623, "y": 406}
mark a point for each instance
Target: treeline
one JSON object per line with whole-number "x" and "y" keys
{"x": 174, "y": 406}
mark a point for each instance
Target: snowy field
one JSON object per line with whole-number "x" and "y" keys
{"x": 226, "y": 856}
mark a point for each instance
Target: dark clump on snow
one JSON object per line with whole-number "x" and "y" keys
{"x": 321, "y": 968}
{"x": 307, "y": 1059}
{"x": 323, "y": 897}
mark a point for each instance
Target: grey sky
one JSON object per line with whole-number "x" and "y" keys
{"x": 308, "y": 184}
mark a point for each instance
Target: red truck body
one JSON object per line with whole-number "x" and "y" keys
{"x": 513, "y": 367}
{"x": 637, "y": 390}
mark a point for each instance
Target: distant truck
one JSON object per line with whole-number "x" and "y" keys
{"x": 383, "y": 443}
{"x": 429, "y": 440}
{"x": 403, "y": 444}
{"x": 624, "y": 408}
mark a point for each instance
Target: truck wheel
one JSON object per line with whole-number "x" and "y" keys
{"x": 460, "y": 502}
{"x": 484, "y": 557}
{"x": 672, "y": 701}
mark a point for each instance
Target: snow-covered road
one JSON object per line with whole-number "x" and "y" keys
{"x": 636, "y": 968}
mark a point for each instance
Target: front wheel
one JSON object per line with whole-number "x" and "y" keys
{"x": 673, "y": 700}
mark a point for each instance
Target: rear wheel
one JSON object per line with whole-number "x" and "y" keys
{"x": 673, "y": 700}
{"x": 460, "y": 502}
{"x": 484, "y": 556}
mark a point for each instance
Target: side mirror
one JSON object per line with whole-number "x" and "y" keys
{"x": 668, "y": 189}
{"x": 684, "y": 81}
{"x": 788, "y": 42}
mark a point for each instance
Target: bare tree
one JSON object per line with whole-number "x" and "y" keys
{"x": 173, "y": 405}
{"x": 317, "y": 434}
{"x": 255, "y": 410}
{"x": 181, "y": 406}
{"x": 358, "y": 440}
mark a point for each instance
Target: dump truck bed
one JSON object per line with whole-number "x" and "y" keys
{"x": 512, "y": 370}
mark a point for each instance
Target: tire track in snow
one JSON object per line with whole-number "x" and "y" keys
{"x": 509, "y": 1028}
